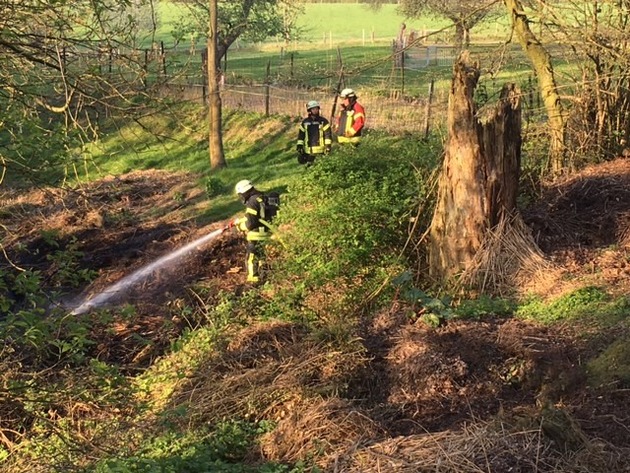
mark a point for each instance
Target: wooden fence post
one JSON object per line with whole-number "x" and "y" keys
{"x": 204, "y": 76}
{"x": 427, "y": 115}
{"x": 291, "y": 72}
{"x": 267, "y": 80}
{"x": 163, "y": 57}
{"x": 402, "y": 71}
{"x": 338, "y": 89}
{"x": 145, "y": 68}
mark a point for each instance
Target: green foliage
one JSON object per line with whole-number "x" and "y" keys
{"x": 586, "y": 301}
{"x": 612, "y": 366}
{"x": 221, "y": 449}
{"x": 67, "y": 271}
{"x": 43, "y": 340}
{"x": 349, "y": 213}
{"x": 214, "y": 186}
{"x": 431, "y": 310}
{"x": 34, "y": 150}
{"x": 436, "y": 311}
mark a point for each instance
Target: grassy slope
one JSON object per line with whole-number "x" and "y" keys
{"x": 255, "y": 149}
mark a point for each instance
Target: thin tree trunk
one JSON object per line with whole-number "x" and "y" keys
{"x": 541, "y": 62}
{"x": 479, "y": 181}
{"x": 215, "y": 136}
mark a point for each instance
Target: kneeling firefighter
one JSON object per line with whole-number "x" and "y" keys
{"x": 256, "y": 224}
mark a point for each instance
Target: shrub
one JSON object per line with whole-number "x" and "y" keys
{"x": 350, "y": 213}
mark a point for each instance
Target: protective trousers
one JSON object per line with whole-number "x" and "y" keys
{"x": 254, "y": 257}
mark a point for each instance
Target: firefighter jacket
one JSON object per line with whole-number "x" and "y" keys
{"x": 350, "y": 123}
{"x": 254, "y": 224}
{"x": 315, "y": 135}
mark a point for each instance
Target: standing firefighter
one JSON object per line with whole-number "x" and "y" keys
{"x": 256, "y": 224}
{"x": 314, "y": 135}
{"x": 351, "y": 119}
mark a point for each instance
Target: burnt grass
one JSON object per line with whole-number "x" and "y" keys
{"x": 415, "y": 378}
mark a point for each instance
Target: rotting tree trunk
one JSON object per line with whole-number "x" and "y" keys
{"x": 541, "y": 62}
{"x": 215, "y": 135}
{"x": 479, "y": 181}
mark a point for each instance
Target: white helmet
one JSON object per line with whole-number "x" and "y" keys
{"x": 347, "y": 93}
{"x": 243, "y": 186}
{"x": 312, "y": 104}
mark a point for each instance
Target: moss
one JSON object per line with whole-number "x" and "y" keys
{"x": 612, "y": 366}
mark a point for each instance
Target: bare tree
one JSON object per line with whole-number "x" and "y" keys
{"x": 594, "y": 35}
{"x": 249, "y": 20}
{"x": 464, "y": 14}
{"x": 57, "y": 62}
{"x": 542, "y": 64}
{"x": 215, "y": 136}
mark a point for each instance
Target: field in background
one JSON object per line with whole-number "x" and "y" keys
{"x": 276, "y": 77}
{"x": 334, "y": 24}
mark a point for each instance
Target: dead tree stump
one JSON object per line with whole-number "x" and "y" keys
{"x": 479, "y": 181}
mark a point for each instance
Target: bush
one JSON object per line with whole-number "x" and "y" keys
{"x": 350, "y": 213}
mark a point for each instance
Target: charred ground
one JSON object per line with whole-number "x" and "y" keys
{"x": 409, "y": 379}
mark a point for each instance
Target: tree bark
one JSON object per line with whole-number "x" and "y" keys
{"x": 541, "y": 62}
{"x": 479, "y": 181}
{"x": 215, "y": 135}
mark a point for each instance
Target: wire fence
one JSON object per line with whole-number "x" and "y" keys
{"x": 390, "y": 114}
{"x": 285, "y": 88}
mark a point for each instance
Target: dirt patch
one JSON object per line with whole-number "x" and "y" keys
{"x": 120, "y": 225}
{"x": 582, "y": 223}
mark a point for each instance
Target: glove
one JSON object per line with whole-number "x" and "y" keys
{"x": 328, "y": 149}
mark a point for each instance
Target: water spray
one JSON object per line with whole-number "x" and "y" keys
{"x": 141, "y": 274}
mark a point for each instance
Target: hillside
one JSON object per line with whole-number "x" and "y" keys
{"x": 487, "y": 393}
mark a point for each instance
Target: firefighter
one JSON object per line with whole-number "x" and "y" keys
{"x": 350, "y": 121}
{"x": 314, "y": 136}
{"x": 254, "y": 226}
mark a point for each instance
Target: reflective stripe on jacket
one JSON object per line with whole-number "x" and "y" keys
{"x": 314, "y": 134}
{"x": 350, "y": 123}
{"x": 253, "y": 224}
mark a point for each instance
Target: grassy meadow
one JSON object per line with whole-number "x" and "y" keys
{"x": 330, "y": 25}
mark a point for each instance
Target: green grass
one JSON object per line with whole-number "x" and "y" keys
{"x": 332, "y": 24}
{"x": 261, "y": 152}
{"x": 357, "y": 23}
{"x": 588, "y": 301}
